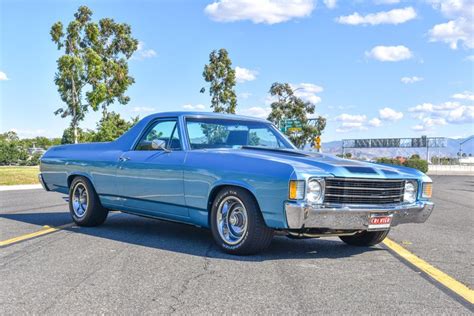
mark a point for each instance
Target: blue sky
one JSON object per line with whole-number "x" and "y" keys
{"x": 374, "y": 68}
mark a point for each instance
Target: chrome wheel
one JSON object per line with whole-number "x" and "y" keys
{"x": 80, "y": 199}
{"x": 232, "y": 220}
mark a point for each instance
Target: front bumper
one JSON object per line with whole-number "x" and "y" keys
{"x": 343, "y": 217}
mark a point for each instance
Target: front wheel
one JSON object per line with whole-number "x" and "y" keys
{"x": 365, "y": 238}
{"x": 237, "y": 224}
{"x": 84, "y": 204}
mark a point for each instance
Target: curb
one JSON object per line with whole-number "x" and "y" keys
{"x": 20, "y": 187}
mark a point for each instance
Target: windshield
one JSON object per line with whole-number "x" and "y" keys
{"x": 228, "y": 133}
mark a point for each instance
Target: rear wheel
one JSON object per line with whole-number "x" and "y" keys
{"x": 237, "y": 224}
{"x": 84, "y": 204}
{"x": 365, "y": 238}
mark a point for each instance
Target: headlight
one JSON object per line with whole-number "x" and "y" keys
{"x": 296, "y": 190}
{"x": 315, "y": 191}
{"x": 410, "y": 191}
{"x": 427, "y": 190}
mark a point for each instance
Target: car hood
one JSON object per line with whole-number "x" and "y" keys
{"x": 311, "y": 163}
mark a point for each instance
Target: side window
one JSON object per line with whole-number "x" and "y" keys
{"x": 263, "y": 137}
{"x": 166, "y": 131}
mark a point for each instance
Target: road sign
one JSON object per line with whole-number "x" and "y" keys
{"x": 422, "y": 142}
{"x": 291, "y": 126}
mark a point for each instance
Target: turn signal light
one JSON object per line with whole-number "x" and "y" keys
{"x": 427, "y": 189}
{"x": 296, "y": 190}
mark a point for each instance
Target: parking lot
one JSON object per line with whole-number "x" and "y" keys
{"x": 134, "y": 265}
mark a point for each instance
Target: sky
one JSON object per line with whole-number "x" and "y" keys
{"x": 373, "y": 68}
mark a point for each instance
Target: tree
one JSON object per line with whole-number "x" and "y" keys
{"x": 71, "y": 136}
{"x": 9, "y": 136}
{"x": 93, "y": 72}
{"x": 221, "y": 76}
{"x": 11, "y": 149}
{"x": 290, "y": 107}
{"x": 111, "y": 127}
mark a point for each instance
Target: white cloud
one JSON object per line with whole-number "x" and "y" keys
{"x": 462, "y": 115}
{"x": 256, "y": 111}
{"x": 351, "y": 118}
{"x": 3, "y": 76}
{"x": 341, "y": 107}
{"x": 245, "y": 95}
{"x": 452, "y": 32}
{"x": 330, "y": 4}
{"x": 261, "y": 11}
{"x": 469, "y": 58}
{"x": 466, "y": 95}
{"x": 350, "y": 126}
{"x": 142, "y": 52}
{"x": 395, "y": 16}
{"x": 375, "y": 122}
{"x": 449, "y": 112}
{"x": 388, "y": 114}
{"x": 428, "y": 123}
{"x": 142, "y": 109}
{"x": 421, "y": 108}
{"x": 307, "y": 92}
{"x": 407, "y": 80}
{"x": 244, "y": 74}
{"x": 418, "y": 128}
{"x": 390, "y": 53}
{"x": 351, "y": 122}
{"x": 460, "y": 27}
{"x": 194, "y": 107}
{"x": 386, "y": 1}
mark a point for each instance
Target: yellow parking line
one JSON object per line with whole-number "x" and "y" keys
{"x": 45, "y": 230}
{"x": 438, "y": 275}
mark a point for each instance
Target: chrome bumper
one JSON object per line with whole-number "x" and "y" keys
{"x": 301, "y": 215}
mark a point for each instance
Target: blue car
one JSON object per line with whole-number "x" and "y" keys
{"x": 238, "y": 176}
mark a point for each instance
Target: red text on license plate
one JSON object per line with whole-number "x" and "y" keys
{"x": 379, "y": 222}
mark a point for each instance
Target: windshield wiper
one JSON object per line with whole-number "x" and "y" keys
{"x": 281, "y": 150}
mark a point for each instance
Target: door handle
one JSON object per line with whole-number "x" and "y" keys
{"x": 124, "y": 159}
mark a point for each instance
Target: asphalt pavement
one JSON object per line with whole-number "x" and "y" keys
{"x": 134, "y": 265}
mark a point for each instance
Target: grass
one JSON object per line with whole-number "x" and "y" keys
{"x": 10, "y": 175}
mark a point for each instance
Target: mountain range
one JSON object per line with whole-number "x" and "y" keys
{"x": 451, "y": 150}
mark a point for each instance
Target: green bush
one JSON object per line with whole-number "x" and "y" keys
{"x": 419, "y": 164}
{"x": 415, "y": 163}
{"x": 390, "y": 161}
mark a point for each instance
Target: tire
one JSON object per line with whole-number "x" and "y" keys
{"x": 246, "y": 230}
{"x": 84, "y": 204}
{"x": 365, "y": 238}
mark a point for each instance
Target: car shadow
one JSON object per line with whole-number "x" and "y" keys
{"x": 191, "y": 240}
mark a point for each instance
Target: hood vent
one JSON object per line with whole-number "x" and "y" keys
{"x": 389, "y": 172}
{"x": 363, "y": 170}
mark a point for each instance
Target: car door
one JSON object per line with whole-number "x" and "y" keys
{"x": 150, "y": 180}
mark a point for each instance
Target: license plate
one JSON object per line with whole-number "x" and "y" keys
{"x": 379, "y": 221}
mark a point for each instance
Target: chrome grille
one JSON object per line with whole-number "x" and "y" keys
{"x": 363, "y": 191}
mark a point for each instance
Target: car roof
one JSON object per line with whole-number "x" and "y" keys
{"x": 206, "y": 115}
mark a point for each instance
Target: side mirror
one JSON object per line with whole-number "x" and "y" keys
{"x": 158, "y": 144}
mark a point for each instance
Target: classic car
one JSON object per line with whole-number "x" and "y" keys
{"x": 238, "y": 176}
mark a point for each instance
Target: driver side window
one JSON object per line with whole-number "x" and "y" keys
{"x": 163, "y": 130}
